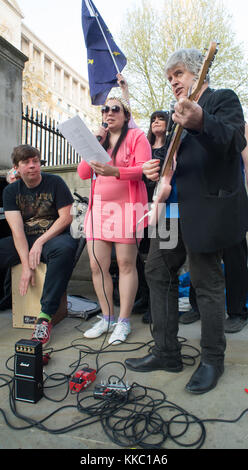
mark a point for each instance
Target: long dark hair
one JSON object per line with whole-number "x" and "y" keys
{"x": 165, "y": 116}
{"x": 123, "y": 135}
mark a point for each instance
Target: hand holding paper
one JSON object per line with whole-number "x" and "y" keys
{"x": 83, "y": 141}
{"x": 104, "y": 170}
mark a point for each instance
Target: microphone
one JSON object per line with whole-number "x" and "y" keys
{"x": 99, "y": 137}
{"x": 170, "y": 121}
{"x": 169, "y": 128}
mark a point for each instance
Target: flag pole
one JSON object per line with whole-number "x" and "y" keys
{"x": 108, "y": 46}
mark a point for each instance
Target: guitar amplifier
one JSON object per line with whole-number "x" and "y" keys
{"x": 28, "y": 371}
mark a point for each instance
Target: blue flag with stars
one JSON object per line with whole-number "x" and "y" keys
{"x": 105, "y": 59}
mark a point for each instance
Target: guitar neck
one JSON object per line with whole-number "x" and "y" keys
{"x": 193, "y": 95}
{"x": 176, "y": 137}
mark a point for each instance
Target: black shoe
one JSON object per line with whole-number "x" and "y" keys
{"x": 235, "y": 324}
{"x": 140, "y": 306}
{"x": 147, "y": 318}
{"x": 150, "y": 363}
{"x": 205, "y": 378}
{"x": 189, "y": 317}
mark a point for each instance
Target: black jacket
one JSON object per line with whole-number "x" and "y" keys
{"x": 213, "y": 203}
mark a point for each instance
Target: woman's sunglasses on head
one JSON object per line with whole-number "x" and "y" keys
{"x": 114, "y": 109}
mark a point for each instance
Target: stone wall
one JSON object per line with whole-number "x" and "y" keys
{"x": 11, "y": 66}
{"x": 81, "y": 281}
{"x": 70, "y": 176}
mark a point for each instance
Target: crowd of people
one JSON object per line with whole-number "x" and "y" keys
{"x": 208, "y": 227}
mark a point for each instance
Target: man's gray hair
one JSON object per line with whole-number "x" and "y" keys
{"x": 192, "y": 60}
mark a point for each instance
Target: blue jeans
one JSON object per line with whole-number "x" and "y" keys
{"x": 58, "y": 254}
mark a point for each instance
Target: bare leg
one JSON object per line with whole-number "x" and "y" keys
{"x": 126, "y": 255}
{"x": 102, "y": 279}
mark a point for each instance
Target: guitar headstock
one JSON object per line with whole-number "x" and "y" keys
{"x": 207, "y": 63}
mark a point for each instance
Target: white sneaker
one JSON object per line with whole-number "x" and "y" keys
{"x": 99, "y": 328}
{"x": 120, "y": 333}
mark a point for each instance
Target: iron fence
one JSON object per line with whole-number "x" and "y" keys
{"x": 42, "y": 132}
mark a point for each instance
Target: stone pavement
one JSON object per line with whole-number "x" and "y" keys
{"x": 71, "y": 421}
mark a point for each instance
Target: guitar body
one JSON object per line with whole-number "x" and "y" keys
{"x": 163, "y": 189}
{"x": 161, "y": 194}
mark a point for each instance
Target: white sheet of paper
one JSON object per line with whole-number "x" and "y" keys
{"x": 83, "y": 141}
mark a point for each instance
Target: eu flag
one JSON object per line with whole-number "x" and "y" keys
{"x": 105, "y": 59}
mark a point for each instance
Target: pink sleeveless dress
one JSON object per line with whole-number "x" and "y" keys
{"x": 118, "y": 203}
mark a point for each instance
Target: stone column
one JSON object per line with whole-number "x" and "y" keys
{"x": 12, "y": 63}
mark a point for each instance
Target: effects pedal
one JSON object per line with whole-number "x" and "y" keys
{"x": 108, "y": 390}
{"x": 82, "y": 379}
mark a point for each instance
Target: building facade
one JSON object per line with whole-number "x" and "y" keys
{"x": 50, "y": 86}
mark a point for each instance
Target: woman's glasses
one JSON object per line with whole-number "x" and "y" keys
{"x": 114, "y": 109}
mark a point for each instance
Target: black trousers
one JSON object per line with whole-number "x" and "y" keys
{"x": 207, "y": 277}
{"x": 236, "y": 280}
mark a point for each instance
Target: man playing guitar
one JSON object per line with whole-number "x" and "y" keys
{"x": 212, "y": 203}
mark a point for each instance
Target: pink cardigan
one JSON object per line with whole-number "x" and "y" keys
{"x": 135, "y": 151}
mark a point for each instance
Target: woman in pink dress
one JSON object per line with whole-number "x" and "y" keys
{"x": 118, "y": 201}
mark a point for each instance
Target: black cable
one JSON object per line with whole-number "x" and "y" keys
{"x": 97, "y": 261}
{"x": 140, "y": 416}
{"x": 131, "y": 418}
{"x": 190, "y": 359}
{"x": 7, "y": 379}
{"x": 100, "y": 268}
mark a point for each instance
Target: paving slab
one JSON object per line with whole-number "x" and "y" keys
{"x": 61, "y": 420}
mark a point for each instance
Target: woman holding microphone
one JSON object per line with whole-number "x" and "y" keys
{"x": 118, "y": 200}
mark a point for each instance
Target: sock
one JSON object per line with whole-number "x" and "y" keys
{"x": 123, "y": 320}
{"x": 107, "y": 318}
{"x": 44, "y": 316}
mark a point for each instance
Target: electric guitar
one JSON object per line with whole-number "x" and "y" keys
{"x": 163, "y": 186}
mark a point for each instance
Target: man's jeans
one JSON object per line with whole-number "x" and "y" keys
{"x": 58, "y": 254}
{"x": 207, "y": 277}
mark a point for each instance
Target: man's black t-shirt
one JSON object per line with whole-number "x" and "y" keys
{"x": 38, "y": 206}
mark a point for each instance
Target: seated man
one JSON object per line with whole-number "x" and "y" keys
{"x": 37, "y": 208}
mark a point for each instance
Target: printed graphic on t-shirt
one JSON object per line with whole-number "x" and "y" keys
{"x": 38, "y": 212}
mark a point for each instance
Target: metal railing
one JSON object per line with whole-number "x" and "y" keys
{"x": 42, "y": 132}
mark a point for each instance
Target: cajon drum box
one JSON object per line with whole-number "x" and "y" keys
{"x": 27, "y": 308}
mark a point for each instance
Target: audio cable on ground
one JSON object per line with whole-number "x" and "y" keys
{"x": 131, "y": 415}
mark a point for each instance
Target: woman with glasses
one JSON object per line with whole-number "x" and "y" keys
{"x": 118, "y": 201}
